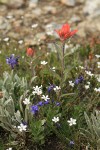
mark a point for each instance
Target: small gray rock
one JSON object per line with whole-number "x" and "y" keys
{"x": 69, "y": 2}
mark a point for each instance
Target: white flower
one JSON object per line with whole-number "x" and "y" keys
{"x": 88, "y": 83}
{"x": 37, "y": 90}
{"x": 43, "y": 62}
{"x": 9, "y": 148}
{"x": 87, "y": 87}
{"x": 50, "y": 33}
{"x": 57, "y": 88}
{"x": 71, "y": 121}
{"x": 53, "y": 69}
{"x": 89, "y": 73}
{"x": 9, "y": 17}
{"x": 43, "y": 122}
{"x": 20, "y": 42}
{"x": 98, "y": 56}
{"x": 26, "y": 101}
{"x": 81, "y": 67}
{"x": 45, "y": 97}
{"x": 6, "y": 39}
{"x": 98, "y": 79}
{"x": 71, "y": 83}
{"x": 98, "y": 64}
{"x": 97, "y": 89}
{"x": 22, "y": 127}
{"x": 0, "y": 52}
{"x": 55, "y": 119}
{"x": 34, "y": 25}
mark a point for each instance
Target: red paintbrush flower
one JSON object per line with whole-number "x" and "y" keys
{"x": 65, "y": 32}
{"x": 30, "y": 52}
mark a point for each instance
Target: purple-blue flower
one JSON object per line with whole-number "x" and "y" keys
{"x": 24, "y": 123}
{"x": 46, "y": 102}
{"x": 57, "y": 104}
{"x": 34, "y": 109}
{"x": 12, "y": 61}
{"x": 50, "y": 88}
{"x": 71, "y": 143}
{"x": 79, "y": 80}
{"x": 40, "y": 103}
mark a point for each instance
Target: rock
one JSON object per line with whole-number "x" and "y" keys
{"x": 69, "y": 2}
{"x": 37, "y": 12}
{"x": 75, "y": 19}
{"x": 89, "y": 26}
{"x": 80, "y": 1}
{"x": 33, "y": 3}
{"x": 15, "y": 3}
{"x": 37, "y": 40}
{"x": 40, "y": 36}
{"x": 13, "y": 35}
{"x": 4, "y": 24}
{"x": 91, "y": 7}
{"x": 50, "y": 9}
{"x": 50, "y": 29}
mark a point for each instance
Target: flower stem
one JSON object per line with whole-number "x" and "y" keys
{"x": 63, "y": 63}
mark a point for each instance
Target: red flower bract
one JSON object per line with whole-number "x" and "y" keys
{"x": 30, "y": 52}
{"x": 65, "y": 32}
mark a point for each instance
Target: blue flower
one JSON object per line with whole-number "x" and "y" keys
{"x": 24, "y": 123}
{"x": 79, "y": 80}
{"x": 46, "y": 102}
{"x": 34, "y": 109}
{"x": 57, "y": 104}
{"x": 71, "y": 143}
{"x": 50, "y": 88}
{"x": 12, "y": 61}
{"x": 40, "y": 103}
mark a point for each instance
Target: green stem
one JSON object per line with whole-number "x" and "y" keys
{"x": 63, "y": 63}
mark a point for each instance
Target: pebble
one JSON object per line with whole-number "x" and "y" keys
{"x": 91, "y": 6}
{"x": 50, "y": 9}
{"x": 33, "y": 3}
{"x": 69, "y": 2}
{"x": 4, "y": 24}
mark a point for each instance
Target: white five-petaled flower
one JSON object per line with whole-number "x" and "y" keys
{"x": 6, "y": 39}
{"x": 98, "y": 56}
{"x": 45, "y": 97}
{"x": 87, "y": 87}
{"x": 22, "y": 127}
{"x": 53, "y": 69}
{"x": 72, "y": 122}
{"x": 89, "y": 73}
{"x": 37, "y": 90}
{"x": 26, "y": 101}
{"x": 71, "y": 83}
{"x": 81, "y": 67}
{"x": 43, "y": 62}
{"x": 55, "y": 119}
{"x": 9, "y": 17}
{"x": 57, "y": 88}
{"x": 98, "y": 64}
{"x": 97, "y": 89}
{"x": 34, "y": 25}
{"x": 20, "y": 42}
{"x": 9, "y": 148}
{"x": 88, "y": 83}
